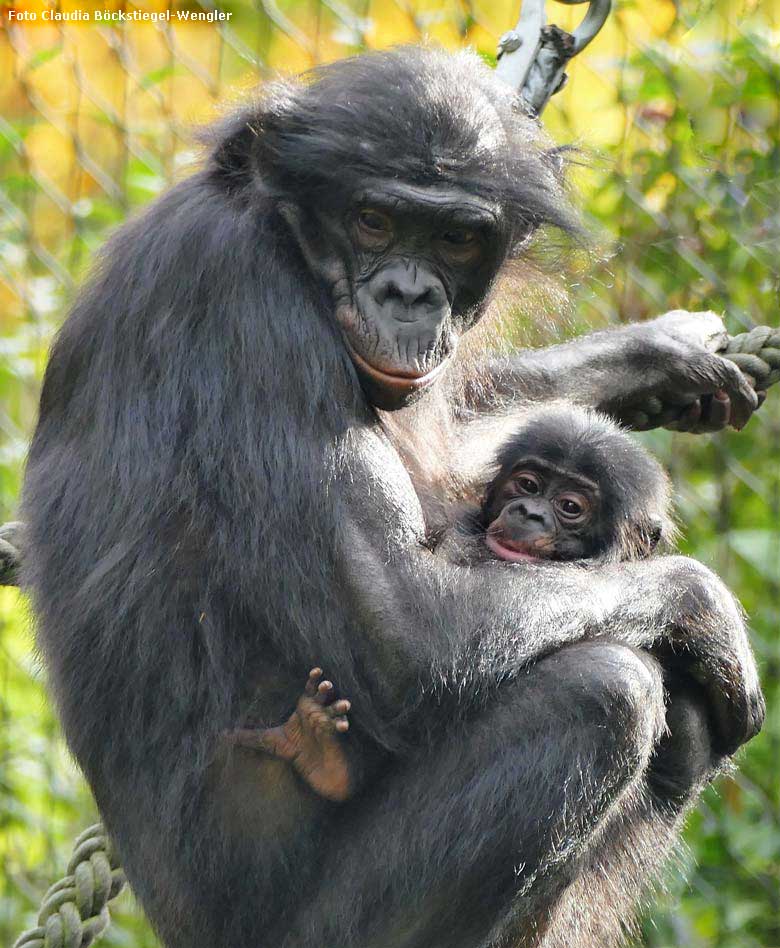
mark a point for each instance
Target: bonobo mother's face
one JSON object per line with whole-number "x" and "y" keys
{"x": 420, "y": 262}
{"x": 414, "y": 266}
{"x": 407, "y": 177}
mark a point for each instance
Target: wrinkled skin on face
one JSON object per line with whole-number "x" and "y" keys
{"x": 544, "y": 512}
{"x": 411, "y": 271}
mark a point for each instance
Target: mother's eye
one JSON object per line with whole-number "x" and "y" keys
{"x": 459, "y": 237}
{"x": 374, "y": 223}
{"x": 460, "y": 244}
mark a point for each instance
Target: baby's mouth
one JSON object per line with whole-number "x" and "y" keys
{"x": 511, "y": 550}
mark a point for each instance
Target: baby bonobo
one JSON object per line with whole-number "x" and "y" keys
{"x": 568, "y": 485}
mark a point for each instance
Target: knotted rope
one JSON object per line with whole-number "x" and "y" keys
{"x": 10, "y": 557}
{"x": 757, "y": 355}
{"x": 74, "y": 912}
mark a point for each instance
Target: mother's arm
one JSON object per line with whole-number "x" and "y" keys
{"x": 463, "y": 630}
{"x": 665, "y": 372}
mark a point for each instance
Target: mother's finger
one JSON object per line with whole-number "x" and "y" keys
{"x": 716, "y": 413}
{"x": 743, "y": 398}
{"x": 688, "y": 418}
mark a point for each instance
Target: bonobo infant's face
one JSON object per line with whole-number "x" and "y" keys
{"x": 540, "y": 511}
{"x": 420, "y": 262}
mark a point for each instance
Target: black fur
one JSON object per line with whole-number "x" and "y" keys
{"x": 214, "y": 505}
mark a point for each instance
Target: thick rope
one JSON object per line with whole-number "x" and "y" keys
{"x": 757, "y": 354}
{"x": 74, "y": 912}
{"x": 11, "y": 543}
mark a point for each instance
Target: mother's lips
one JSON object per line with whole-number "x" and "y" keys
{"x": 405, "y": 381}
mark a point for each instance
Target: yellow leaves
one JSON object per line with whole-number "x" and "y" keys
{"x": 646, "y": 21}
{"x": 659, "y": 193}
{"x": 50, "y": 153}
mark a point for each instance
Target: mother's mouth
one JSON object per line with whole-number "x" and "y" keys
{"x": 401, "y": 380}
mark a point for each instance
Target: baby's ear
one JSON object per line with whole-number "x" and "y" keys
{"x": 651, "y": 532}
{"x": 656, "y": 533}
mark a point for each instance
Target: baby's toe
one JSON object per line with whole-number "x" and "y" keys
{"x": 339, "y": 708}
{"x": 311, "y": 684}
{"x": 325, "y": 692}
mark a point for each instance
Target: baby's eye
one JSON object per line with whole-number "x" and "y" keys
{"x": 572, "y": 507}
{"x": 528, "y": 483}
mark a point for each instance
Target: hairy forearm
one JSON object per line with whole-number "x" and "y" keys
{"x": 468, "y": 628}
{"x": 463, "y": 631}
{"x": 601, "y": 370}
{"x": 666, "y": 372}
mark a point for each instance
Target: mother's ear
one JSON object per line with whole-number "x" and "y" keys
{"x": 234, "y": 145}
{"x": 321, "y": 259}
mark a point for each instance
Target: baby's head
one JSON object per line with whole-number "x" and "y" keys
{"x": 571, "y": 485}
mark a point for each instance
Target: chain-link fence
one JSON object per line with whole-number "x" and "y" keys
{"x": 679, "y": 107}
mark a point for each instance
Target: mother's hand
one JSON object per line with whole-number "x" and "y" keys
{"x": 684, "y": 384}
{"x": 704, "y": 637}
{"x": 684, "y": 760}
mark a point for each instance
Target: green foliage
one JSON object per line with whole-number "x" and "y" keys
{"x": 692, "y": 201}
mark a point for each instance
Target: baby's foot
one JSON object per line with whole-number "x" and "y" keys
{"x": 310, "y": 740}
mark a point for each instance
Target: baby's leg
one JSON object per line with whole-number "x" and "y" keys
{"x": 310, "y": 739}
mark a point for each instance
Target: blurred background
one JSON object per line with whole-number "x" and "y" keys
{"x": 677, "y": 108}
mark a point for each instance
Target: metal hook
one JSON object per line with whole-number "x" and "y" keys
{"x": 595, "y": 18}
{"x": 532, "y": 57}
{"x": 517, "y": 48}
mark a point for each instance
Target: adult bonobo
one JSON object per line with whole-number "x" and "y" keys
{"x": 216, "y": 502}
